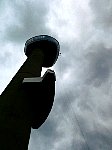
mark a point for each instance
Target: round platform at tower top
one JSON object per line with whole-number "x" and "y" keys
{"x": 48, "y": 44}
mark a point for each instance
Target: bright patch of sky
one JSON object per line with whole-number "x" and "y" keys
{"x": 67, "y": 18}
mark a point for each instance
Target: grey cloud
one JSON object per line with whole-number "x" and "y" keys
{"x": 96, "y": 135}
{"x": 65, "y": 101}
{"x": 4, "y": 59}
{"x": 102, "y": 11}
{"x": 48, "y": 129}
{"x": 64, "y": 59}
{"x": 98, "y": 139}
{"x": 47, "y": 133}
{"x": 28, "y": 19}
{"x": 99, "y": 65}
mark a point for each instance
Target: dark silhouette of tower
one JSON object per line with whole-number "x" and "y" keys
{"x": 27, "y": 100}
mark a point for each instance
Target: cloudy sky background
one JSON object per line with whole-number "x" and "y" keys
{"x": 81, "y": 118}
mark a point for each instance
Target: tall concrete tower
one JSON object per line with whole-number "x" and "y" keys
{"x": 27, "y": 100}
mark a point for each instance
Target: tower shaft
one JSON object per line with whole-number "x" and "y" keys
{"x": 15, "y": 115}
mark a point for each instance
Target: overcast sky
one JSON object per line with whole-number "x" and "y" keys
{"x": 81, "y": 118}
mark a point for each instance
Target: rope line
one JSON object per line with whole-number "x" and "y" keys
{"x": 76, "y": 118}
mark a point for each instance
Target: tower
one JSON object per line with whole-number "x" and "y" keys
{"x": 27, "y": 100}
